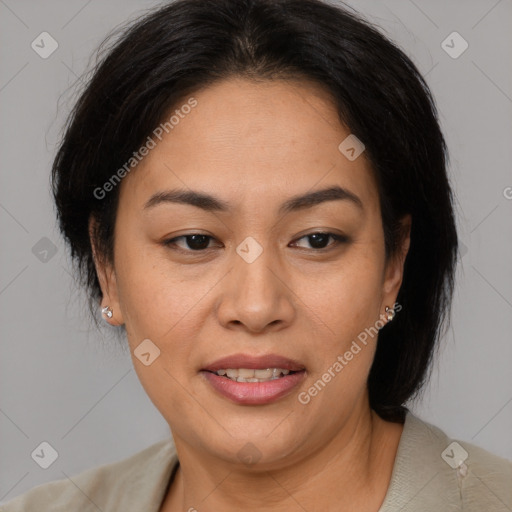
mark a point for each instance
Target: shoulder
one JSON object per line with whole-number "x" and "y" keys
{"x": 486, "y": 479}
{"x": 136, "y": 482}
{"x": 433, "y": 471}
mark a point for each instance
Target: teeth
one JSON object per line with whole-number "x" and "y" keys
{"x": 264, "y": 374}
{"x": 245, "y": 374}
{"x": 232, "y": 374}
{"x": 250, "y": 375}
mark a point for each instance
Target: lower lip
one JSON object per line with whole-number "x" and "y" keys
{"x": 254, "y": 393}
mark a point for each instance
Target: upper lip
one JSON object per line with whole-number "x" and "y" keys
{"x": 254, "y": 363}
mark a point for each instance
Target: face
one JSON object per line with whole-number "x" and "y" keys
{"x": 282, "y": 266}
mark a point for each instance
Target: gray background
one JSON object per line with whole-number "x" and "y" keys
{"x": 63, "y": 382}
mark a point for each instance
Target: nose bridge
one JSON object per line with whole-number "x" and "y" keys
{"x": 255, "y": 297}
{"x": 254, "y": 276}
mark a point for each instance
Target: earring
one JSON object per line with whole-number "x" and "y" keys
{"x": 390, "y": 314}
{"x": 107, "y": 312}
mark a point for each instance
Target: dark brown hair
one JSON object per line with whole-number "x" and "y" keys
{"x": 380, "y": 95}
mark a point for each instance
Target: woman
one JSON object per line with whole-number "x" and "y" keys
{"x": 255, "y": 193}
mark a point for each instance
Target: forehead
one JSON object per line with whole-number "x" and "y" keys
{"x": 255, "y": 142}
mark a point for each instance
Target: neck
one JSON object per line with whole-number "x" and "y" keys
{"x": 351, "y": 470}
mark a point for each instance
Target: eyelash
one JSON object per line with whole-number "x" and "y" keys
{"x": 338, "y": 239}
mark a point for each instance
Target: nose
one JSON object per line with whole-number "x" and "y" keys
{"x": 255, "y": 297}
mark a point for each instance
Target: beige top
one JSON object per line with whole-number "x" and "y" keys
{"x": 423, "y": 479}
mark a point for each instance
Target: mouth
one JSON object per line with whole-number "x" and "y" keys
{"x": 249, "y": 380}
{"x": 251, "y": 375}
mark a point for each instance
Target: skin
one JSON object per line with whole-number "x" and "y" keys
{"x": 256, "y": 145}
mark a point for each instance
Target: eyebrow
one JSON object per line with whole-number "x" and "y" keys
{"x": 210, "y": 203}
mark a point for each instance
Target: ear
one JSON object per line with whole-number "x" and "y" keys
{"x": 107, "y": 278}
{"x": 395, "y": 266}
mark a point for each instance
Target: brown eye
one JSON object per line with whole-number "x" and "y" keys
{"x": 320, "y": 241}
{"x": 194, "y": 242}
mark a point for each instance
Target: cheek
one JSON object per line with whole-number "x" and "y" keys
{"x": 347, "y": 306}
{"x": 346, "y": 300}
{"x": 346, "y": 303}
{"x": 160, "y": 305}
{"x": 154, "y": 296}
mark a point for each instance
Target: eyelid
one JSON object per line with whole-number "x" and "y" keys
{"x": 168, "y": 242}
{"x": 337, "y": 237}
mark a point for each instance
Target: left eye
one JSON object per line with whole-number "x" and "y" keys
{"x": 321, "y": 240}
{"x": 194, "y": 242}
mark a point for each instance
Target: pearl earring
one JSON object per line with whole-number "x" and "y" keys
{"x": 390, "y": 313}
{"x": 107, "y": 312}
